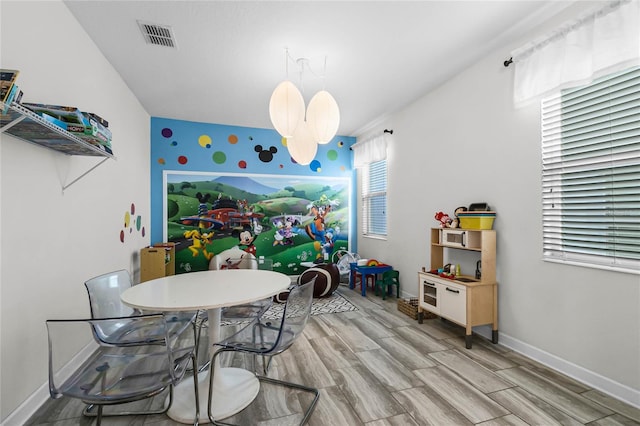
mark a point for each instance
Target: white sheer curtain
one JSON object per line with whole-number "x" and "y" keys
{"x": 602, "y": 41}
{"x": 370, "y": 151}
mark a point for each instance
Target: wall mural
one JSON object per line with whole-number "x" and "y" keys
{"x": 288, "y": 219}
{"x": 216, "y": 186}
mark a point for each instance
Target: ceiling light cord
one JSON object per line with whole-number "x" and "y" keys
{"x": 286, "y": 62}
{"x": 324, "y": 73}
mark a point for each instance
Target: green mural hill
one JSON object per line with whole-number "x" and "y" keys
{"x": 216, "y": 189}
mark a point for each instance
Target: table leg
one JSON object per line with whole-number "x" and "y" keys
{"x": 233, "y": 388}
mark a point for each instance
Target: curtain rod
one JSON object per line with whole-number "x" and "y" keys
{"x": 565, "y": 28}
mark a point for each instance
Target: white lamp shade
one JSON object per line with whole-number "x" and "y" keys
{"x": 286, "y": 108}
{"x": 323, "y": 117}
{"x": 301, "y": 146}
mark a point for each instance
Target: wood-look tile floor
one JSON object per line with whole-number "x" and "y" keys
{"x": 378, "y": 367}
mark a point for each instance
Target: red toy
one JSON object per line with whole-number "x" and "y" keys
{"x": 444, "y": 219}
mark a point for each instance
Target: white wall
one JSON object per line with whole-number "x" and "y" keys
{"x": 465, "y": 143}
{"x": 53, "y": 241}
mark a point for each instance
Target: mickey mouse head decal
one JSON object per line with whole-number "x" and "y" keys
{"x": 265, "y": 155}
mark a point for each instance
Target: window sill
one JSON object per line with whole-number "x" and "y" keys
{"x": 375, "y": 237}
{"x": 593, "y": 266}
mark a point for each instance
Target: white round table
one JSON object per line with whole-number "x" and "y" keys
{"x": 233, "y": 388}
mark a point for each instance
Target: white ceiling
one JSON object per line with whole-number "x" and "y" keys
{"x": 380, "y": 55}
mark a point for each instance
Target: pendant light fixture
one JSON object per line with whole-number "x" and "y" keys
{"x": 286, "y": 108}
{"x": 323, "y": 117}
{"x": 303, "y": 131}
{"x": 302, "y": 147}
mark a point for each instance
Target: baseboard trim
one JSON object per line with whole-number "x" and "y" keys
{"x": 28, "y": 408}
{"x": 603, "y": 384}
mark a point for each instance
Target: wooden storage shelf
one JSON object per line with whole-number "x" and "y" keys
{"x": 157, "y": 261}
{"x": 465, "y": 300}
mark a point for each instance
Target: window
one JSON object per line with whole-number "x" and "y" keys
{"x": 374, "y": 199}
{"x": 591, "y": 174}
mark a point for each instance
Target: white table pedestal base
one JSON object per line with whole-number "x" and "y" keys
{"x": 233, "y": 390}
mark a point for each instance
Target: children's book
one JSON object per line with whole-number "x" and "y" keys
{"x": 10, "y": 97}
{"x": 7, "y": 78}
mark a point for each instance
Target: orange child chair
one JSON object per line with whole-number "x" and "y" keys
{"x": 389, "y": 279}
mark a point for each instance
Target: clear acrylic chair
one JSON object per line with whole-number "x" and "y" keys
{"x": 242, "y": 260}
{"x": 104, "y": 302}
{"x": 272, "y": 337}
{"x": 101, "y": 374}
{"x": 245, "y": 312}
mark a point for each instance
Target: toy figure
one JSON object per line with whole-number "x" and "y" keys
{"x": 455, "y": 223}
{"x": 444, "y": 219}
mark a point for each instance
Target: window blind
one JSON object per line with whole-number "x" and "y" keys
{"x": 374, "y": 199}
{"x": 591, "y": 173}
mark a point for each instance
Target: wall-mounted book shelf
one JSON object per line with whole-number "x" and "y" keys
{"x": 28, "y": 126}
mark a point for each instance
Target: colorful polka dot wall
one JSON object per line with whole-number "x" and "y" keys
{"x": 192, "y": 146}
{"x": 187, "y": 146}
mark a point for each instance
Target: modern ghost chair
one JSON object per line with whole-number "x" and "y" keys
{"x": 110, "y": 374}
{"x": 104, "y": 302}
{"x": 272, "y": 337}
{"x": 246, "y": 312}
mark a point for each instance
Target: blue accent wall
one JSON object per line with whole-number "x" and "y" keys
{"x": 185, "y": 146}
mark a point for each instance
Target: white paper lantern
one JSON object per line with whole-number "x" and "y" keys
{"x": 323, "y": 117}
{"x": 302, "y": 147}
{"x": 286, "y": 108}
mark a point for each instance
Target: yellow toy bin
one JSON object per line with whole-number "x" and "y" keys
{"x": 476, "y": 220}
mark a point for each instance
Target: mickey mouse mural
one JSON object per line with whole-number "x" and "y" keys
{"x": 316, "y": 229}
{"x": 245, "y": 241}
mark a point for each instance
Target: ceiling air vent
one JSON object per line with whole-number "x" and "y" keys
{"x": 159, "y": 35}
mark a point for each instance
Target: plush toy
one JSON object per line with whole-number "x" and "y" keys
{"x": 444, "y": 219}
{"x": 455, "y": 223}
